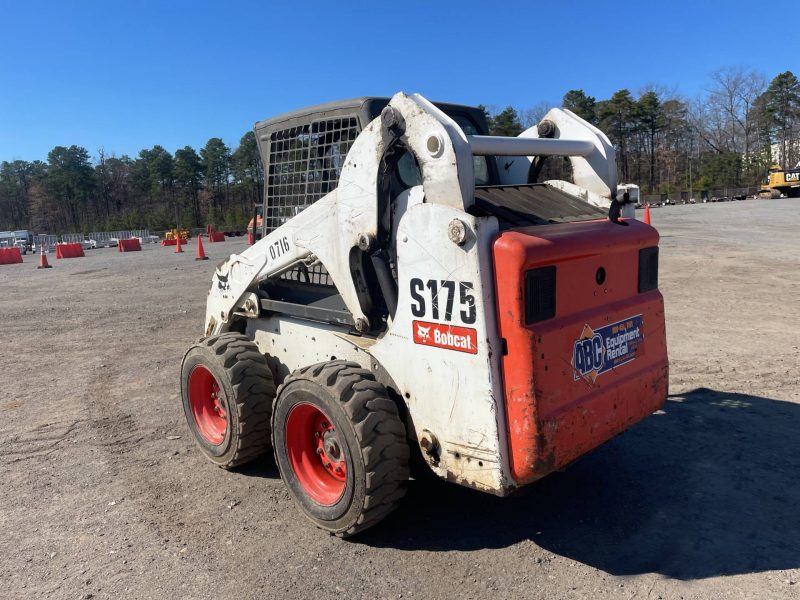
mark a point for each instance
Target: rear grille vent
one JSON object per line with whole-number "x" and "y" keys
{"x": 540, "y": 294}
{"x": 648, "y": 269}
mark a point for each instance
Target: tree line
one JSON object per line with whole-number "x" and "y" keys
{"x": 726, "y": 137}
{"x": 157, "y": 190}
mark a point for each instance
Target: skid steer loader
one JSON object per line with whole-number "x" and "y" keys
{"x": 418, "y": 293}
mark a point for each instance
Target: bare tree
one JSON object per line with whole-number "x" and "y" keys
{"x": 733, "y": 92}
{"x": 662, "y": 91}
{"x": 707, "y": 124}
{"x": 531, "y": 116}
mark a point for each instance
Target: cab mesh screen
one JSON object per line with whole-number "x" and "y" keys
{"x": 304, "y": 164}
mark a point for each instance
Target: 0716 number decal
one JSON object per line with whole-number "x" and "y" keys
{"x": 278, "y": 248}
{"x": 436, "y": 299}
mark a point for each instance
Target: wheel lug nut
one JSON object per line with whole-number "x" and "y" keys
{"x": 316, "y": 434}
{"x": 319, "y": 450}
{"x": 338, "y": 469}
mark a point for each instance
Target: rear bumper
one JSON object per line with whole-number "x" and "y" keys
{"x": 563, "y": 395}
{"x": 572, "y": 431}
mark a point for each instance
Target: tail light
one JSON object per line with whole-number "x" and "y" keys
{"x": 648, "y": 269}
{"x": 540, "y": 294}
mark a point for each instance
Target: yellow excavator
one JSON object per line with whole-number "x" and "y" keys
{"x": 174, "y": 234}
{"x": 780, "y": 182}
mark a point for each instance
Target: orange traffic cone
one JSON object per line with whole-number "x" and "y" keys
{"x": 43, "y": 264}
{"x": 178, "y": 245}
{"x": 647, "y": 214}
{"x": 201, "y": 255}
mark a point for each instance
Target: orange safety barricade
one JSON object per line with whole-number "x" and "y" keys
{"x": 69, "y": 250}
{"x": 131, "y": 245}
{"x": 216, "y": 236}
{"x": 10, "y": 256}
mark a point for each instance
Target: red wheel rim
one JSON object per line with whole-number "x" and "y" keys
{"x": 316, "y": 454}
{"x": 208, "y": 405}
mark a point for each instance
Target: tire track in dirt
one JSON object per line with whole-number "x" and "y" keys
{"x": 40, "y": 441}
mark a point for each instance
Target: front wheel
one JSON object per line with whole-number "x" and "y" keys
{"x": 340, "y": 446}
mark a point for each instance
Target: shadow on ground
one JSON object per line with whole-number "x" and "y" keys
{"x": 710, "y": 487}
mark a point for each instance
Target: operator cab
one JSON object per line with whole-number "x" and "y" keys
{"x": 303, "y": 153}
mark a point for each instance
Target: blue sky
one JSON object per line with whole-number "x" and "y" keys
{"x": 128, "y": 75}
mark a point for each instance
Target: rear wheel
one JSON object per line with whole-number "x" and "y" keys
{"x": 227, "y": 392}
{"x": 340, "y": 446}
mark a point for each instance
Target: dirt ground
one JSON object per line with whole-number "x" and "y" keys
{"x": 104, "y": 495}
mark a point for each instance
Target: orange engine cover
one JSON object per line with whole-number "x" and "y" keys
{"x": 596, "y": 363}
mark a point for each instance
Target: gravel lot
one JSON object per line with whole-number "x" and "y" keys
{"x": 104, "y": 495}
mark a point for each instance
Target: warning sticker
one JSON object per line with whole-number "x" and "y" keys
{"x": 449, "y": 337}
{"x": 599, "y": 350}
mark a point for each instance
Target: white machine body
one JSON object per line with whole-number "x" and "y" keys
{"x": 440, "y": 348}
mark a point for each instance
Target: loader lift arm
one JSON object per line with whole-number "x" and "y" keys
{"x": 346, "y": 220}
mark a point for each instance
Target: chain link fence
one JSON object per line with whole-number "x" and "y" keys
{"x": 101, "y": 238}
{"x": 72, "y": 238}
{"x": 710, "y": 195}
{"x": 48, "y": 242}
{"x": 110, "y": 238}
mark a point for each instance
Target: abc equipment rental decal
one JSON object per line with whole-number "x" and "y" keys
{"x": 599, "y": 350}
{"x": 449, "y": 337}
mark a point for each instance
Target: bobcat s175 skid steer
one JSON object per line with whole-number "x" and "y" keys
{"x": 418, "y": 293}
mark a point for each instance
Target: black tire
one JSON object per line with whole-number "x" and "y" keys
{"x": 246, "y": 391}
{"x": 373, "y": 440}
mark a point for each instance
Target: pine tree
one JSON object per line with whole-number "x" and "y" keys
{"x": 783, "y": 109}
{"x": 506, "y": 123}
{"x": 582, "y": 105}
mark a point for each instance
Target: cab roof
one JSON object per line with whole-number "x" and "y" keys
{"x": 365, "y": 105}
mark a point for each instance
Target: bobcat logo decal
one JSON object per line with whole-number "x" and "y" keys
{"x": 449, "y": 337}
{"x": 423, "y": 333}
